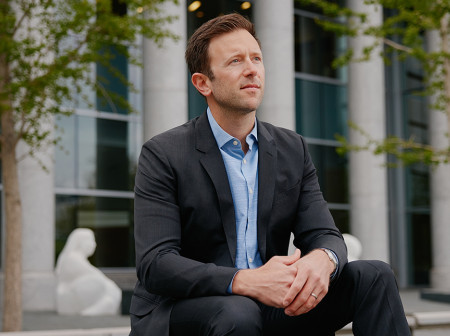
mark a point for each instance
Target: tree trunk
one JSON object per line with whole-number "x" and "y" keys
{"x": 12, "y": 268}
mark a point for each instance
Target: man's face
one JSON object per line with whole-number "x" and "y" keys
{"x": 236, "y": 62}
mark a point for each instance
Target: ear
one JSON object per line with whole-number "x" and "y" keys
{"x": 201, "y": 83}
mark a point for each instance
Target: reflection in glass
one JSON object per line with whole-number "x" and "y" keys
{"x": 321, "y": 109}
{"x": 315, "y": 9}
{"x": 316, "y": 49}
{"x": 86, "y": 152}
{"x": 96, "y": 153}
{"x": 418, "y": 185}
{"x": 111, "y": 82}
{"x": 111, "y": 219}
{"x": 112, "y": 157}
{"x": 65, "y": 153}
{"x": 420, "y": 248}
{"x": 416, "y": 127}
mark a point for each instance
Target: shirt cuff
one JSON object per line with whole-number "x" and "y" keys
{"x": 230, "y": 286}
{"x": 333, "y": 275}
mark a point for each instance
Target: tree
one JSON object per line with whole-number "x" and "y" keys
{"x": 46, "y": 50}
{"x": 402, "y": 32}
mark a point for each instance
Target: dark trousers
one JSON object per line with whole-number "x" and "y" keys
{"x": 365, "y": 293}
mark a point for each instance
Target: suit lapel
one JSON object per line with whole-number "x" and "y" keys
{"x": 213, "y": 163}
{"x": 266, "y": 184}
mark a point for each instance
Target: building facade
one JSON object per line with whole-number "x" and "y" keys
{"x": 91, "y": 175}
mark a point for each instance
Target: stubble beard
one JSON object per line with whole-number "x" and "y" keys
{"x": 236, "y": 107}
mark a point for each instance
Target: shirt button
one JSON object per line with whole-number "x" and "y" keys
{"x": 250, "y": 260}
{"x": 235, "y": 142}
{"x": 250, "y": 190}
{"x": 245, "y": 161}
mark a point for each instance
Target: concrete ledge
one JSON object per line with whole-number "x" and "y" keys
{"x": 431, "y": 319}
{"x": 120, "y": 331}
{"x": 435, "y": 295}
{"x": 421, "y": 324}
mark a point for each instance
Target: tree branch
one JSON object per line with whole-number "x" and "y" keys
{"x": 397, "y": 46}
{"x": 25, "y": 14}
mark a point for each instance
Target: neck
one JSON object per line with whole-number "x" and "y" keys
{"x": 237, "y": 125}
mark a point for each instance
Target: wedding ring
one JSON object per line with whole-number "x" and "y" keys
{"x": 314, "y": 295}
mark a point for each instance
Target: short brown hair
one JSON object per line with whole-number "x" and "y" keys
{"x": 197, "y": 56}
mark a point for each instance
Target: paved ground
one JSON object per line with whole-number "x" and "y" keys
{"x": 50, "y": 320}
{"x": 414, "y": 304}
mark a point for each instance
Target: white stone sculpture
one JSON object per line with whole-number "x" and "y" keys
{"x": 354, "y": 247}
{"x": 82, "y": 289}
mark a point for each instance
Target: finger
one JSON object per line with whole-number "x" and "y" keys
{"x": 310, "y": 304}
{"x": 289, "y": 260}
{"x": 303, "y": 296}
{"x": 294, "y": 290}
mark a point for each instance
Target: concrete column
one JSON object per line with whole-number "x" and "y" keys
{"x": 36, "y": 180}
{"x": 165, "y": 77}
{"x": 277, "y": 41}
{"x": 368, "y": 178}
{"x": 440, "y": 191}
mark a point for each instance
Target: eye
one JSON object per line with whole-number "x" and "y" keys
{"x": 257, "y": 59}
{"x": 235, "y": 60}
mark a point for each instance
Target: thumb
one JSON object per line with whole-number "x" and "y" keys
{"x": 289, "y": 260}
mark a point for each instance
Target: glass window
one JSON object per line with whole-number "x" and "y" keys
{"x": 97, "y": 156}
{"x": 198, "y": 12}
{"x": 96, "y": 153}
{"x": 321, "y": 109}
{"x": 315, "y": 48}
{"x": 112, "y": 77}
{"x": 332, "y": 173}
{"x": 111, "y": 219}
{"x": 65, "y": 158}
{"x": 420, "y": 248}
{"x": 315, "y": 9}
{"x": 417, "y": 186}
{"x": 111, "y": 159}
{"x": 110, "y": 85}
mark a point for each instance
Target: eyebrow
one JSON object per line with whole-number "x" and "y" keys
{"x": 236, "y": 53}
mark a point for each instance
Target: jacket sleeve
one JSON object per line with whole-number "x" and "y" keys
{"x": 158, "y": 228}
{"x": 315, "y": 227}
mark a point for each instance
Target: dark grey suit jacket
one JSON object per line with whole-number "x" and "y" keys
{"x": 185, "y": 229}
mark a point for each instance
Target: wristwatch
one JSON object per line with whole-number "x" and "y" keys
{"x": 332, "y": 258}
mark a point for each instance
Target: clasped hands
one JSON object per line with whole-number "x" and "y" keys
{"x": 290, "y": 282}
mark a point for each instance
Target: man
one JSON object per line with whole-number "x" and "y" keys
{"x": 216, "y": 202}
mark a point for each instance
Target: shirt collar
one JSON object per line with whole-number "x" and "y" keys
{"x": 223, "y": 137}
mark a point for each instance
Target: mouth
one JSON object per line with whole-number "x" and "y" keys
{"x": 250, "y": 86}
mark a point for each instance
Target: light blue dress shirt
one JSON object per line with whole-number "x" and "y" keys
{"x": 242, "y": 171}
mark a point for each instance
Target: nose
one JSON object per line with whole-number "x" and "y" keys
{"x": 251, "y": 69}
